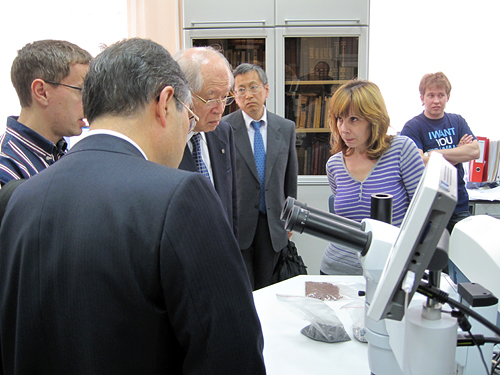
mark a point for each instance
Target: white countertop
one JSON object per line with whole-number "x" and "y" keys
{"x": 288, "y": 352}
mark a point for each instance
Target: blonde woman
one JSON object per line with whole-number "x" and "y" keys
{"x": 366, "y": 160}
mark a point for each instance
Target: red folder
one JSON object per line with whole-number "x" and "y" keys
{"x": 478, "y": 169}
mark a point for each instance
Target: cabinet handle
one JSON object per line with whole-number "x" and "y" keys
{"x": 222, "y": 22}
{"x": 356, "y": 20}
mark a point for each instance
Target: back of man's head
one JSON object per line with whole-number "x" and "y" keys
{"x": 49, "y": 60}
{"x": 192, "y": 59}
{"x": 127, "y": 75}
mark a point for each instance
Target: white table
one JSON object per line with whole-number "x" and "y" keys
{"x": 288, "y": 352}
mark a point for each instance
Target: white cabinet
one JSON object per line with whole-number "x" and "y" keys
{"x": 322, "y": 13}
{"x": 289, "y": 38}
{"x": 222, "y": 13}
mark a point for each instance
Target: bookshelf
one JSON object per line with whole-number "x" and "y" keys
{"x": 237, "y": 51}
{"x": 315, "y": 67}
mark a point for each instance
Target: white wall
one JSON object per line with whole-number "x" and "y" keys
{"x": 88, "y": 24}
{"x": 457, "y": 37}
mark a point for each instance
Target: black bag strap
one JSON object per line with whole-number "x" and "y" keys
{"x": 5, "y": 193}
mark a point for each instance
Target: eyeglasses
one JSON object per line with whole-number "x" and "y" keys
{"x": 212, "y": 103}
{"x": 193, "y": 119}
{"x": 254, "y": 89}
{"x": 63, "y": 84}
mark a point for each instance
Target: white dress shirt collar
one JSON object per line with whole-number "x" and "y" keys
{"x": 248, "y": 119}
{"x": 118, "y": 135}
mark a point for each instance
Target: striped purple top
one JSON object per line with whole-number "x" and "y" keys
{"x": 397, "y": 172}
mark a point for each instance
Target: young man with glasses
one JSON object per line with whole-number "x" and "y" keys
{"x": 267, "y": 168}
{"x": 210, "y": 146}
{"x": 48, "y": 77}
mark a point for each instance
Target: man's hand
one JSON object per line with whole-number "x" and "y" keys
{"x": 466, "y": 140}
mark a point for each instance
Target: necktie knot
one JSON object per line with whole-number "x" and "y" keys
{"x": 196, "y": 139}
{"x": 256, "y": 125}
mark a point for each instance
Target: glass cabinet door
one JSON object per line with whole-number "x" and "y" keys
{"x": 315, "y": 67}
{"x": 237, "y": 51}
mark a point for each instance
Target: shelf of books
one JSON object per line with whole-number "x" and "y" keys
{"x": 313, "y": 151}
{"x": 315, "y": 67}
{"x": 237, "y": 51}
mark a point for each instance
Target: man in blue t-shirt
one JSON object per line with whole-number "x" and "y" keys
{"x": 436, "y": 131}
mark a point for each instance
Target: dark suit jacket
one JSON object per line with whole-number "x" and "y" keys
{"x": 222, "y": 156}
{"x": 280, "y": 179}
{"x": 114, "y": 264}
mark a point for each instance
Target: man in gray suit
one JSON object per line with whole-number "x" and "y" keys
{"x": 266, "y": 170}
{"x": 210, "y": 147}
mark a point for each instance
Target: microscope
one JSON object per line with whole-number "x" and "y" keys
{"x": 405, "y": 337}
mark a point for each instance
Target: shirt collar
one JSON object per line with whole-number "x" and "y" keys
{"x": 118, "y": 135}
{"x": 202, "y": 135}
{"x": 36, "y": 142}
{"x": 248, "y": 119}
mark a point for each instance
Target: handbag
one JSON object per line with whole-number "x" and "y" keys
{"x": 289, "y": 264}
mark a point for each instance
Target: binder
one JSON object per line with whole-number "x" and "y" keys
{"x": 478, "y": 169}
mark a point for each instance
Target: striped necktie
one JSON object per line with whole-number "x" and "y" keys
{"x": 200, "y": 164}
{"x": 260, "y": 161}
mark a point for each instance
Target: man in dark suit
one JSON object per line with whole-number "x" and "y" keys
{"x": 210, "y": 80}
{"x": 114, "y": 262}
{"x": 266, "y": 170}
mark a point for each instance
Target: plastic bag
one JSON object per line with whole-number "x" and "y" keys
{"x": 326, "y": 291}
{"x": 325, "y": 325}
{"x": 356, "y": 311}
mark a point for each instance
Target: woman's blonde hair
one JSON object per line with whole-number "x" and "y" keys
{"x": 363, "y": 99}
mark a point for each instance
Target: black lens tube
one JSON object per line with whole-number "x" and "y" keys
{"x": 305, "y": 221}
{"x": 290, "y": 203}
{"x": 381, "y": 208}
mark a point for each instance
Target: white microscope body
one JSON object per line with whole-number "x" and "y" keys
{"x": 419, "y": 346}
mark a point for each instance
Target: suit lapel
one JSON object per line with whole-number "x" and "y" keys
{"x": 216, "y": 149}
{"x": 273, "y": 145}
{"x": 187, "y": 162}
